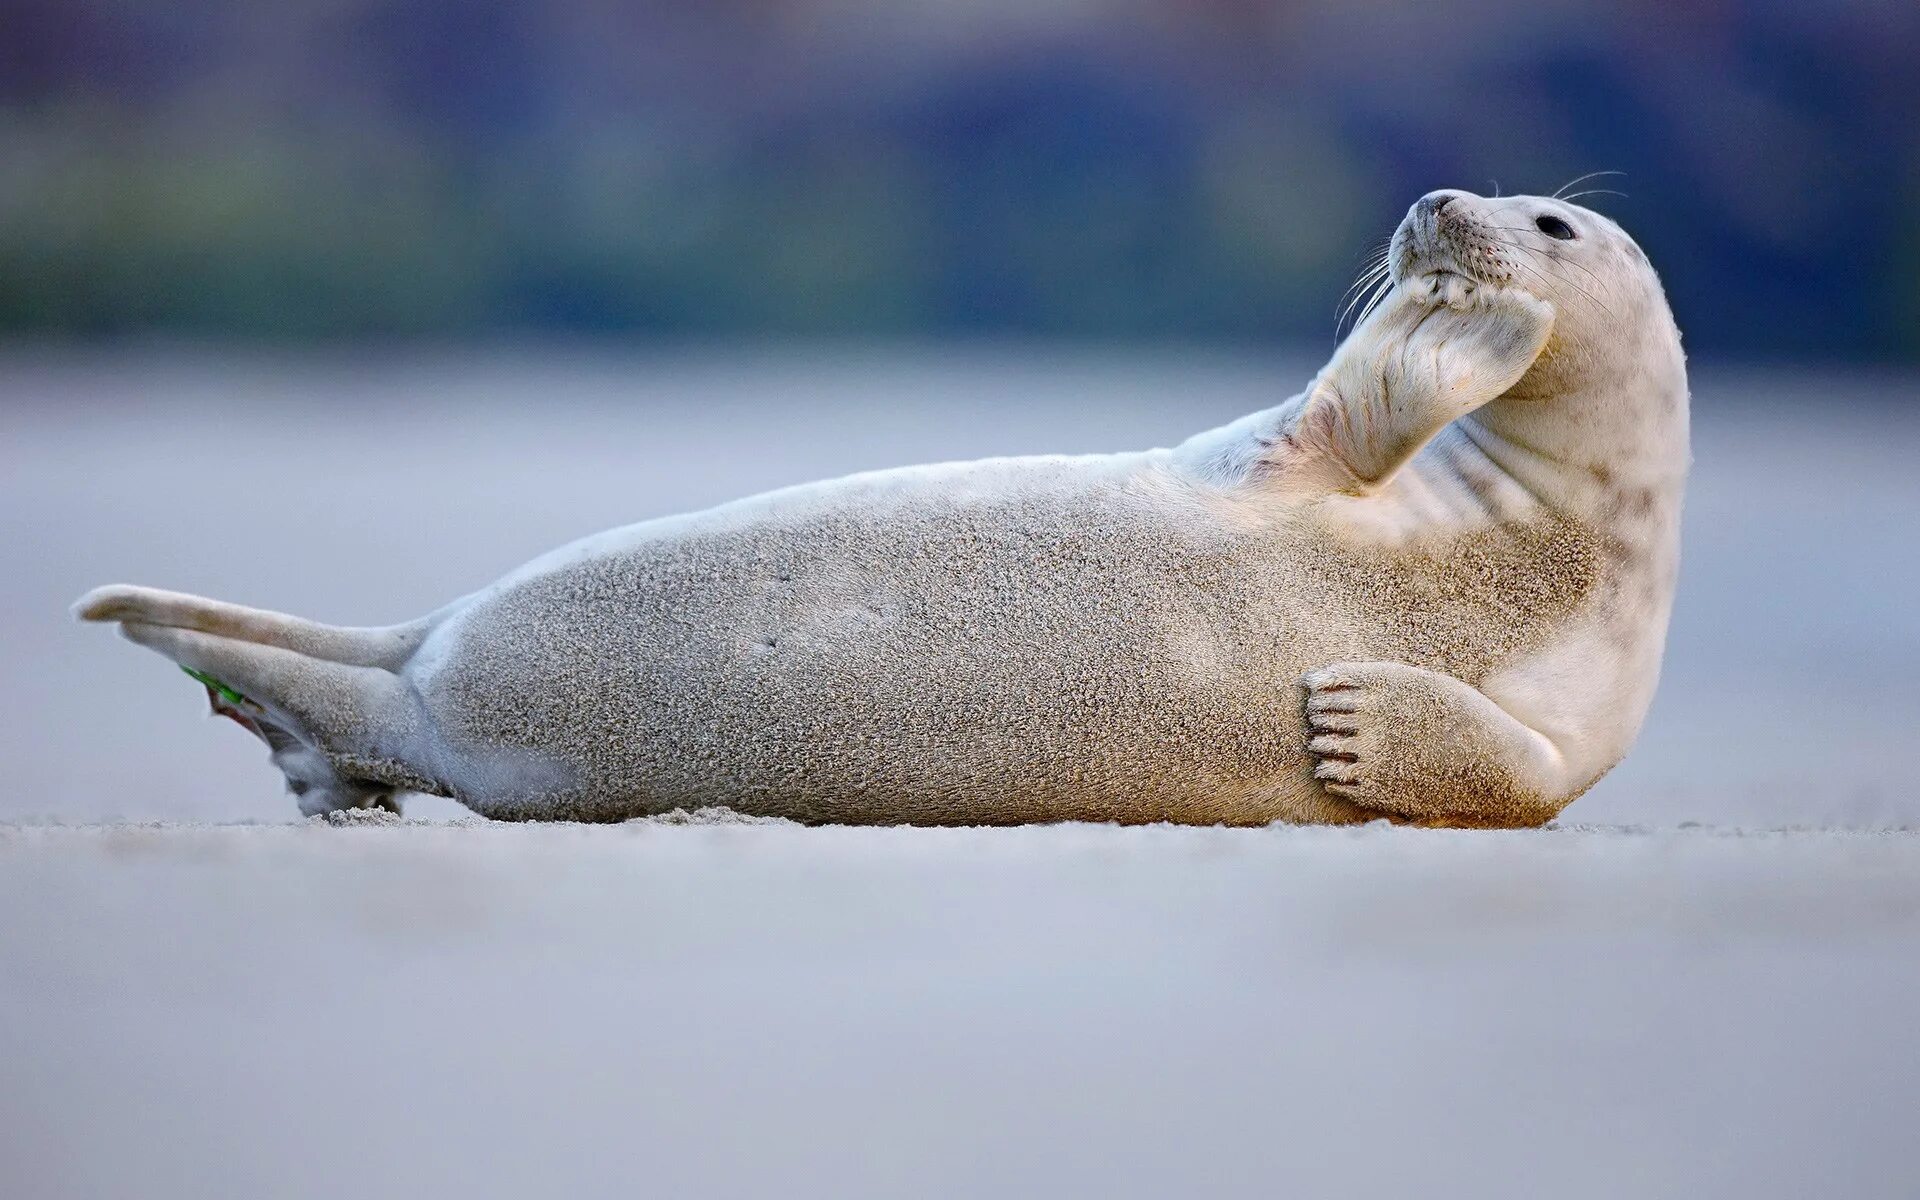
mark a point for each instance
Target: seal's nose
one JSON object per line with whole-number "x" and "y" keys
{"x": 1434, "y": 202}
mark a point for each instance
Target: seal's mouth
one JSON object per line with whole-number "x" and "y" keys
{"x": 1436, "y": 267}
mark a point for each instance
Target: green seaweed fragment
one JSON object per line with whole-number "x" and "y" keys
{"x": 225, "y": 693}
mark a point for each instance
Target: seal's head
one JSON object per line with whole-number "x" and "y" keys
{"x": 1610, "y": 310}
{"x": 1614, "y": 348}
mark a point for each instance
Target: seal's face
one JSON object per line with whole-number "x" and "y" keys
{"x": 1603, "y": 290}
{"x": 1534, "y": 243}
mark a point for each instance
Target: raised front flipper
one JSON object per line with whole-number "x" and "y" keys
{"x": 1438, "y": 348}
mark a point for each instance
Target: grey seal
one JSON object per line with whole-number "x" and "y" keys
{"x": 1432, "y": 587}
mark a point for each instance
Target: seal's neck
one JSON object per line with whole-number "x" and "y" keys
{"x": 1575, "y": 444}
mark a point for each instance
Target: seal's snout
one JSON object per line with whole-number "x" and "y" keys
{"x": 1450, "y": 231}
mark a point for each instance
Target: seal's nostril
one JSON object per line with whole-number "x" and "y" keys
{"x": 1439, "y": 203}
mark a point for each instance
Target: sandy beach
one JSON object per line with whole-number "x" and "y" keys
{"x": 1701, "y": 982}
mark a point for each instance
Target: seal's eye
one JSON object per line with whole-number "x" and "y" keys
{"x": 1554, "y": 227}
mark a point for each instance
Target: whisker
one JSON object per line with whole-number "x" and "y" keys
{"x": 1341, "y": 326}
{"x": 1376, "y": 256}
{"x": 1365, "y": 281}
{"x": 1381, "y": 291}
{"x": 1366, "y": 278}
{"x": 1581, "y": 179}
{"x": 1378, "y": 288}
{"x": 1535, "y": 272}
{"x": 1370, "y": 275}
{"x": 1535, "y": 250}
{"x": 1598, "y": 282}
{"x": 1549, "y": 263}
{"x": 1592, "y": 192}
{"x": 1546, "y": 266}
{"x": 1581, "y": 267}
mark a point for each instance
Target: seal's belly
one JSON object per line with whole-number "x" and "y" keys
{"x": 1002, "y": 659}
{"x": 960, "y": 665}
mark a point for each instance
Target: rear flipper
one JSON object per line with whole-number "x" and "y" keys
{"x": 387, "y": 647}
{"x": 340, "y": 723}
{"x": 316, "y": 785}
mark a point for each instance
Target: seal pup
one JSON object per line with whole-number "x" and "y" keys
{"x": 1432, "y": 587}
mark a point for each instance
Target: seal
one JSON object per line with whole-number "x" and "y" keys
{"x": 1432, "y": 587}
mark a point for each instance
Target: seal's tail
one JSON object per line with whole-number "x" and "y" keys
{"x": 325, "y": 699}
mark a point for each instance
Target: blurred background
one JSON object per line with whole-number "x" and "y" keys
{"x": 347, "y": 306}
{"x": 1165, "y": 169}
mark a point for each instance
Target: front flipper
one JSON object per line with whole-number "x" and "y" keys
{"x": 1426, "y": 748}
{"x": 1439, "y": 348}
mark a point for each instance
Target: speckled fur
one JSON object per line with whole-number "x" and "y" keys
{"x": 1432, "y": 587}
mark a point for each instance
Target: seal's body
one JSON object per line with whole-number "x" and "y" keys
{"x": 1433, "y": 587}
